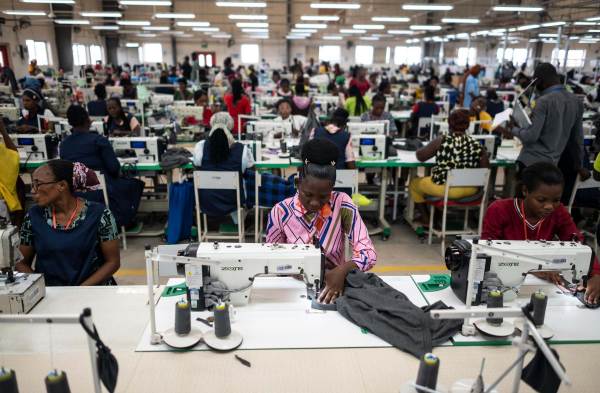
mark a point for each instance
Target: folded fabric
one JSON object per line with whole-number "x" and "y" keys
{"x": 175, "y": 157}
{"x": 372, "y": 304}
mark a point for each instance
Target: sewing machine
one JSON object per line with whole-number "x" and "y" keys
{"x": 10, "y": 112}
{"x": 368, "y": 127}
{"x": 147, "y": 150}
{"x": 478, "y": 266}
{"x": 36, "y": 147}
{"x": 269, "y": 128}
{"x": 19, "y": 292}
{"x": 489, "y": 142}
{"x": 369, "y": 147}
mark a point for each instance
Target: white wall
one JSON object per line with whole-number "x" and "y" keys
{"x": 14, "y": 39}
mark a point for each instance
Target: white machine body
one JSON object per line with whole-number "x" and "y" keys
{"x": 148, "y": 150}
{"x": 488, "y": 141}
{"x": 269, "y": 128}
{"x": 368, "y": 127}
{"x": 369, "y": 146}
{"x": 36, "y": 147}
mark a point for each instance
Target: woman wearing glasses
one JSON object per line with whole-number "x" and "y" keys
{"x": 74, "y": 241}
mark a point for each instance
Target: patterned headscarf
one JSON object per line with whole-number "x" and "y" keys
{"x": 84, "y": 179}
{"x": 224, "y": 121}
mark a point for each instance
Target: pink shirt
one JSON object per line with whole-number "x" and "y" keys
{"x": 289, "y": 223}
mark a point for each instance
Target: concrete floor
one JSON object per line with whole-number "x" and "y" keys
{"x": 401, "y": 254}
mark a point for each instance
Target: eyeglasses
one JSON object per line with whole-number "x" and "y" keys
{"x": 35, "y": 185}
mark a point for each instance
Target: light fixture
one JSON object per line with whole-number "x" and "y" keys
{"x": 132, "y": 45}
{"x": 101, "y": 14}
{"x": 221, "y": 35}
{"x": 174, "y": 32}
{"x": 547, "y": 35}
{"x": 252, "y": 24}
{"x": 146, "y": 2}
{"x": 401, "y": 32}
{"x": 294, "y": 37}
{"x": 304, "y": 31}
{"x": 593, "y": 19}
{"x": 49, "y": 1}
{"x": 256, "y": 4}
{"x": 146, "y": 35}
{"x": 352, "y": 31}
{"x": 255, "y": 30}
{"x": 580, "y": 23}
{"x": 24, "y": 13}
{"x": 133, "y": 22}
{"x": 426, "y": 27}
{"x": 335, "y": 6}
{"x": 71, "y": 21}
{"x": 205, "y": 29}
{"x": 248, "y": 17}
{"x": 311, "y": 25}
{"x": 551, "y": 24}
{"x": 106, "y": 27}
{"x": 593, "y": 31}
{"x": 333, "y": 37}
{"x": 428, "y": 7}
{"x": 516, "y": 8}
{"x": 460, "y": 20}
{"x": 318, "y": 18}
{"x": 369, "y": 38}
{"x": 156, "y": 28}
{"x": 391, "y": 19}
{"x": 368, "y": 27}
{"x": 173, "y": 15}
{"x": 512, "y": 30}
{"x": 528, "y": 27}
{"x": 192, "y": 24}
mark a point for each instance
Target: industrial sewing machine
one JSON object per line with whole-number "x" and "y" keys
{"x": 369, "y": 127}
{"x": 146, "y": 150}
{"x": 489, "y": 142}
{"x": 36, "y": 147}
{"x": 267, "y": 129}
{"x": 369, "y": 146}
{"x": 19, "y": 292}
{"x": 478, "y": 266}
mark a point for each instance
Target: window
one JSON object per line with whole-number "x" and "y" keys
{"x": 79, "y": 55}
{"x": 407, "y": 55}
{"x": 330, "y": 53}
{"x": 38, "y": 50}
{"x": 249, "y": 53}
{"x": 363, "y": 54}
{"x": 462, "y": 59}
{"x": 95, "y": 53}
{"x": 151, "y": 53}
{"x": 575, "y": 57}
{"x": 517, "y": 55}
{"x": 388, "y": 55}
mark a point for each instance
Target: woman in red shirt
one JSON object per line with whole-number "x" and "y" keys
{"x": 360, "y": 81}
{"x": 538, "y": 216}
{"x": 237, "y": 103}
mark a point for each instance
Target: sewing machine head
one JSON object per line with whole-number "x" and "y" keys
{"x": 368, "y": 127}
{"x": 145, "y": 149}
{"x": 269, "y": 128}
{"x": 489, "y": 142}
{"x": 503, "y": 264}
{"x": 36, "y": 147}
{"x": 369, "y": 147}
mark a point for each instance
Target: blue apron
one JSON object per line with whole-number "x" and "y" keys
{"x": 67, "y": 257}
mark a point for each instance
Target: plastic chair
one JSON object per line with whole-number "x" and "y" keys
{"x": 217, "y": 180}
{"x": 579, "y": 185}
{"x": 477, "y": 177}
{"x": 104, "y": 189}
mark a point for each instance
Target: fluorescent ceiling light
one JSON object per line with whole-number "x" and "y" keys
{"x": 133, "y": 22}
{"x": 391, "y": 19}
{"x": 548, "y": 35}
{"x": 132, "y": 45}
{"x": 460, "y": 20}
{"x": 516, "y": 8}
{"x": 317, "y": 18}
{"x": 512, "y": 30}
{"x": 146, "y": 2}
{"x": 551, "y": 24}
{"x": 255, "y": 30}
{"x": 528, "y": 27}
{"x": 401, "y": 32}
{"x": 593, "y": 31}
{"x": 311, "y": 25}
{"x": 496, "y": 34}
{"x": 369, "y": 38}
{"x": 585, "y": 23}
{"x": 259, "y": 36}
{"x": 369, "y": 27}
{"x": 426, "y": 27}
{"x": 205, "y": 29}
{"x": 24, "y": 13}
{"x": 193, "y": 24}
{"x": 173, "y": 15}
{"x": 294, "y": 37}
{"x": 71, "y": 21}
{"x": 593, "y": 19}
{"x": 49, "y": 1}
{"x": 107, "y": 27}
{"x": 352, "y": 31}
{"x": 224, "y": 35}
{"x": 252, "y": 24}
{"x": 174, "y": 32}
{"x": 248, "y": 17}
{"x": 146, "y": 35}
{"x": 101, "y": 14}
{"x": 335, "y": 6}
{"x": 156, "y": 28}
{"x": 310, "y": 31}
{"x": 241, "y": 4}
{"x": 333, "y": 37}
{"x": 427, "y": 7}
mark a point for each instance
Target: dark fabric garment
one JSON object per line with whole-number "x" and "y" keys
{"x": 66, "y": 257}
{"x": 97, "y": 108}
{"x": 540, "y": 375}
{"x": 273, "y": 189}
{"x": 30, "y": 120}
{"x": 340, "y": 139}
{"x": 112, "y": 126}
{"x": 175, "y": 157}
{"x": 96, "y": 152}
{"x": 186, "y": 70}
{"x": 372, "y": 304}
{"x": 494, "y": 107}
{"x": 218, "y": 203}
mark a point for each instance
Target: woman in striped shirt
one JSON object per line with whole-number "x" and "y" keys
{"x": 317, "y": 213}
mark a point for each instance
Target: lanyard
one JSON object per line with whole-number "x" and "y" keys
{"x": 70, "y": 218}
{"x": 537, "y": 236}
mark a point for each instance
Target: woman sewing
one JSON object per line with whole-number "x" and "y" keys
{"x": 317, "y": 213}
{"x": 74, "y": 241}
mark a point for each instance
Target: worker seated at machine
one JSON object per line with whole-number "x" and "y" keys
{"x": 74, "y": 241}
{"x": 284, "y": 111}
{"x": 119, "y": 123}
{"x": 32, "y": 108}
{"x": 336, "y": 132}
{"x": 538, "y": 216}
{"x": 317, "y": 213}
{"x": 378, "y": 112}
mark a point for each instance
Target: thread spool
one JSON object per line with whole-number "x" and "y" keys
{"x": 8, "y": 381}
{"x": 539, "y": 301}
{"x": 428, "y": 372}
{"x": 222, "y": 322}
{"x": 56, "y": 382}
{"x": 183, "y": 318}
{"x": 495, "y": 299}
